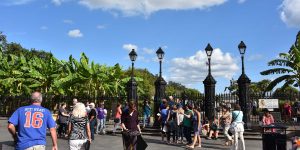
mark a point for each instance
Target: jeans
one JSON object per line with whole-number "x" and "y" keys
{"x": 62, "y": 129}
{"x": 100, "y": 125}
{"x": 92, "y": 127}
{"x": 187, "y": 133}
{"x": 180, "y": 132}
{"x": 146, "y": 118}
{"x": 173, "y": 135}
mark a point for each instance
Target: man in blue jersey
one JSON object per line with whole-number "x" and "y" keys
{"x": 28, "y": 125}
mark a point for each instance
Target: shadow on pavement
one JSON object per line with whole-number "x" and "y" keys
{"x": 7, "y": 145}
{"x": 156, "y": 141}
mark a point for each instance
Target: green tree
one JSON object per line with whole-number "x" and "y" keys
{"x": 287, "y": 66}
{"x": 12, "y": 79}
{"x": 259, "y": 87}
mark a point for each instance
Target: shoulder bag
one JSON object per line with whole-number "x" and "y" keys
{"x": 233, "y": 125}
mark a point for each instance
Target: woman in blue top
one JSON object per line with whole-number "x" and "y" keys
{"x": 147, "y": 113}
{"x": 237, "y": 122}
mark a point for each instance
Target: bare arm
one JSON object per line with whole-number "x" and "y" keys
{"x": 120, "y": 111}
{"x": 199, "y": 120}
{"x": 139, "y": 128}
{"x": 168, "y": 116}
{"x": 12, "y": 130}
{"x": 188, "y": 116}
{"x": 92, "y": 117}
{"x": 69, "y": 128}
{"x": 65, "y": 114}
{"x": 88, "y": 130}
{"x": 123, "y": 126}
{"x": 54, "y": 138}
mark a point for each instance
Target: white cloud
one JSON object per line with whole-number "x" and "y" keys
{"x": 146, "y": 7}
{"x": 241, "y": 1}
{"x": 129, "y": 47}
{"x": 290, "y": 12}
{"x": 57, "y": 2}
{"x": 148, "y": 51}
{"x": 68, "y": 21}
{"x": 75, "y": 33}
{"x": 101, "y": 27}
{"x": 15, "y": 2}
{"x": 193, "y": 70}
{"x": 44, "y": 28}
{"x": 143, "y": 59}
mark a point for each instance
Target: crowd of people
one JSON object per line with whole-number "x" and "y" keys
{"x": 182, "y": 119}
{"x": 77, "y": 125}
{"x": 179, "y": 120}
{"x": 96, "y": 116}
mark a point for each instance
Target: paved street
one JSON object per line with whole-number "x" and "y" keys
{"x": 108, "y": 142}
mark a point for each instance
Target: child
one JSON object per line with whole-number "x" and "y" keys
{"x": 214, "y": 129}
{"x": 179, "y": 119}
{"x": 205, "y": 127}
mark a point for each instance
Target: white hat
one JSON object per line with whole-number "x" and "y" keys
{"x": 92, "y": 104}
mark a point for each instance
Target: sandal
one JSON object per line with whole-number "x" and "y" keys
{"x": 226, "y": 144}
{"x": 191, "y": 147}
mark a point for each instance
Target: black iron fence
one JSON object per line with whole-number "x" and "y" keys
{"x": 8, "y": 104}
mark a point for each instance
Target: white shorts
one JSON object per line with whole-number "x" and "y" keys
{"x": 77, "y": 144}
{"x": 36, "y": 147}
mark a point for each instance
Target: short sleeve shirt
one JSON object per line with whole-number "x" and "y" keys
{"x": 32, "y": 122}
{"x": 62, "y": 119}
{"x": 100, "y": 113}
{"x": 147, "y": 110}
{"x": 237, "y": 116}
{"x": 92, "y": 113}
{"x": 187, "y": 121}
{"x": 164, "y": 114}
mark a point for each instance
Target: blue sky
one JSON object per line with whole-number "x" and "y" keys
{"x": 106, "y": 29}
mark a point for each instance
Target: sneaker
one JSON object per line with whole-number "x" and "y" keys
{"x": 209, "y": 138}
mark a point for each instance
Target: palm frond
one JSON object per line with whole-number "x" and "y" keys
{"x": 276, "y": 71}
{"x": 277, "y": 81}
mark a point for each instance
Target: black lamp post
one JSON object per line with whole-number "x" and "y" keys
{"x": 132, "y": 84}
{"x": 209, "y": 88}
{"x": 243, "y": 83}
{"x": 160, "y": 86}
